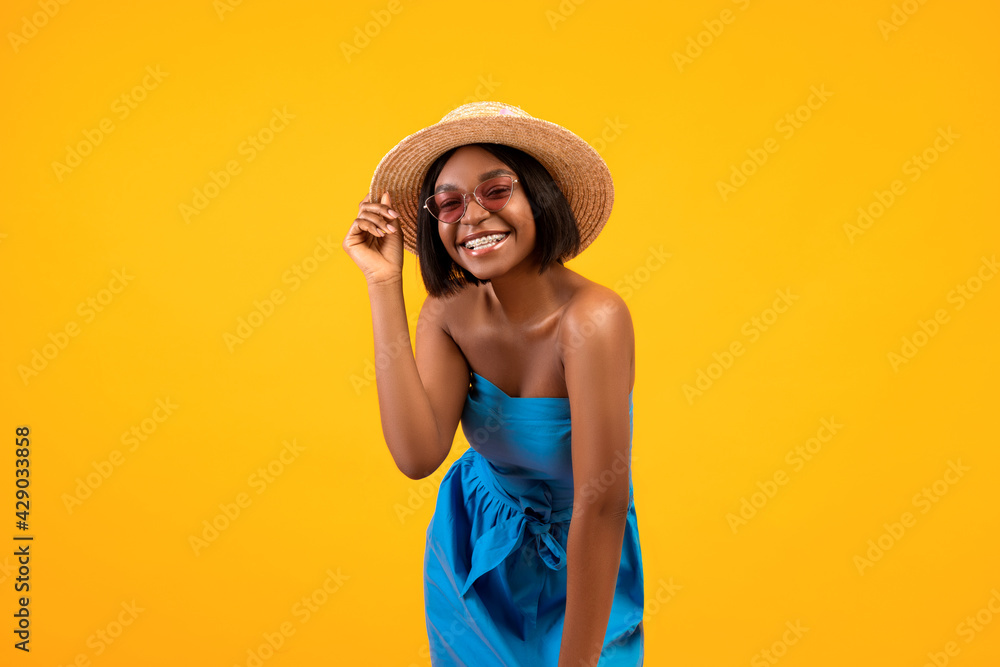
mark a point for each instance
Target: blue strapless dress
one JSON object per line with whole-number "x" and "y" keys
{"x": 495, "y": 561}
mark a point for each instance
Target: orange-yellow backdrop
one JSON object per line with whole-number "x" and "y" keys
{"x": 810, "y": 185}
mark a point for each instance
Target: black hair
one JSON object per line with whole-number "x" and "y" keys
{"x": 556, "y": 232}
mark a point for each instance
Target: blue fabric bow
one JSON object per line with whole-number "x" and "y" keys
{"x": 532, "y": 527}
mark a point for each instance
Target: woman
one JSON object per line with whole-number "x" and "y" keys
{"x": 532, "y": 553}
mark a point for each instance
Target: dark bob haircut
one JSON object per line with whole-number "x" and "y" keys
{"x": 556, "y": 232}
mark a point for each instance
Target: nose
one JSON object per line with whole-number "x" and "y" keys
{"x": 471, "y": 216}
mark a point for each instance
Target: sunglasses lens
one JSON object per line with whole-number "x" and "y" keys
{"x": 495, "y": 193}
{"x": 447, "y": 206}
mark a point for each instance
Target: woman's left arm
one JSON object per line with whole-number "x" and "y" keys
{"x": 597, "y": 343}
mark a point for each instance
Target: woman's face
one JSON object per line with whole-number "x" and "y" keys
{"x": 467, "y": 168}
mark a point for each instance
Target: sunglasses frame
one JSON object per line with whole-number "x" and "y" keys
{"x": 465, "y": 200}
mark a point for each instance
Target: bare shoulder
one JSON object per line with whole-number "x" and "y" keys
{"x": 595, "y": 311}
{"x": 439, "y": 310}
{"x": 596, "y": 341}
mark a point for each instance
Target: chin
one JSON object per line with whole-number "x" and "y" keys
{"x": 481, "y": 270}
{"x": 486, "y": 275}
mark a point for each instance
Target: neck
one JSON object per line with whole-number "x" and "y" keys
{"x": 524, "y": 297}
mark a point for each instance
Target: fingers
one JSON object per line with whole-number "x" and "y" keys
{"x": 387, "y": 201}
{"x": 375, "y": 217}
{"x": 379, "y": 209}
{"x": 383, "y": 207}
{"x": 373, "y": 223}
{"x": 365, "y": 223}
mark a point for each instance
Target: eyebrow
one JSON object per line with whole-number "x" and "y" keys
{"x": 446, "y": 187}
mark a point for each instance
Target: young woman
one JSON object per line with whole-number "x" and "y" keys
{"x": 532, "y": 553}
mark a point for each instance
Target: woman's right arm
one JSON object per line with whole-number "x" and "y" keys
{"x": 419, "y": 416}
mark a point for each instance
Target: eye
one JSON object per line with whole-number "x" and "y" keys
{"x": 496, "y": 189}
{"x": 498, "y": 192}
{"x": 448, "y": 202}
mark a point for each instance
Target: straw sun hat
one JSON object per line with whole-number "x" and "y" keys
{"x": 577, "y": 168}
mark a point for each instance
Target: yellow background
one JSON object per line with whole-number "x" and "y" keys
{"x": 670, "y": 130}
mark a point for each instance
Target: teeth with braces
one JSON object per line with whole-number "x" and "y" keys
{"x": 483, "y": 240}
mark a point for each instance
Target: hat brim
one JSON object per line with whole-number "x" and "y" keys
{"x": 577, "y": 168}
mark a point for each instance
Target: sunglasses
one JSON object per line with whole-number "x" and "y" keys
{"x": 450, "y": 206}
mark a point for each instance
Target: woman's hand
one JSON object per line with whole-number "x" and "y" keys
{"x": 375, "y": 243}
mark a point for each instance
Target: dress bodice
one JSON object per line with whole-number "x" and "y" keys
{"x": 524, "y": 440}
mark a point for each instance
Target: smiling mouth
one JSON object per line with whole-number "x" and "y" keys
{"x": 484, "y": 242}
